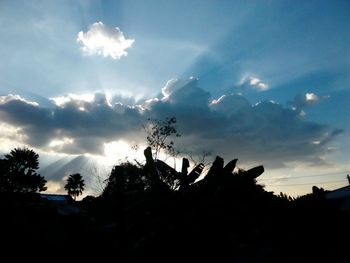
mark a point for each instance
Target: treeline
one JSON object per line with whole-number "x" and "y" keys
{"x": 163, "y": 214}
{"x": 153, "y": 212}
{"x": 18, "y": 174}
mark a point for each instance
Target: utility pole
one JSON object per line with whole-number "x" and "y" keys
{"x": 348, "y": 177}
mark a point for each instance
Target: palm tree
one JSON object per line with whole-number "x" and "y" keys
{"x": 75, "y": 185}
{"x": 19, "y": 171}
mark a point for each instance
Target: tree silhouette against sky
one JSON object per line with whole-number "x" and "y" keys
{"x": 75, "y": 185}
{"x": 19, "y": 172}
{"x": 159, "y": 133}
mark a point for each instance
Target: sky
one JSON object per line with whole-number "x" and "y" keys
{"x": 266, "y": 82}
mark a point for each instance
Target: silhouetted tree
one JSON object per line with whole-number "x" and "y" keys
{"x": 18, "y": 172}
{"x": 158, "y": 133}
{"x": 123, "y": 178}
{"x": 75, "y": 185}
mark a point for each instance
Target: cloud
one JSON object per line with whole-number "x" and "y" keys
{"x": 257, "y": 83}
{"x": 185, "y": 92}
{"x": 254, "y": 82}
{"x": 74, "y": 126}
{"x": 229, "y": 126}
{"x": 232, "y": 127}
{"x": 104, "y": 40}
{"x": 230, "y": 104}
{"x": 311, "y": 97}
{"x": 304, "y": 100}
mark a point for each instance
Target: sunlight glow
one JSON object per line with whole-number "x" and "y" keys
{"x": 10, "y": 137}
{"x": 311, "y": 97}
{"x": 258, "y": 83}
{"x": 104, "y": 40}
{"x": 122, "y": 150}
{"x": 11, "y": 97}
{"x": 60, "y": 142}
{"x": 54, "y": 187}
{"x": 217, "y": 101}
{"x": 62, "y": 100}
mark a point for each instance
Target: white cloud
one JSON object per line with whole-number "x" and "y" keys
{"x": 10, "y": 137}
{"x": 104, "y": 40}
{"x": 60, "y": 142}
{"x": 62, "y": 100}
{"x": 304, "y": 100}
{"x": 217, "y": 101}
{"x": 311, "y": 97}
{"x": 253, "y": 82}
{"x": 257, "y": 83}
{"x": 11, "y": 97}
{"x": 174, "y": 85}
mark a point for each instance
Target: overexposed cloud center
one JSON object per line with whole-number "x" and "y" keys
{"x": 104, "y": 40}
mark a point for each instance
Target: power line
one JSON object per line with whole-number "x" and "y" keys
{"x": 305, "y": 176}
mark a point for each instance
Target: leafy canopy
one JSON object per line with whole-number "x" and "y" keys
{"x": 75, "y": 185}
{"x": 18, "y": 172}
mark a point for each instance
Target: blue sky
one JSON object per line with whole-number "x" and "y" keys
{"x": 263, "y": 81}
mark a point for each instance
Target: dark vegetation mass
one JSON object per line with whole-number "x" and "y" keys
{"x": 153, "y": 212}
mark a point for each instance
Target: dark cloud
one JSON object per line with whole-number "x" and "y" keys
{"x": 229, "y": 126}
{"x": 180, "y": 92}
{"x": 87, "y": 124}
{"x": 231, "y": 104}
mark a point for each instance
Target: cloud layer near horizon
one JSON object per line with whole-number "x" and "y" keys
{"x": 230, "y": 126}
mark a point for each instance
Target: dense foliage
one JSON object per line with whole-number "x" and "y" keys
{"x": 75, "y": 185}
{"x": 18, "y": 172}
